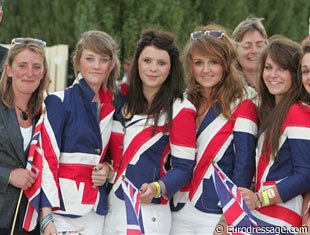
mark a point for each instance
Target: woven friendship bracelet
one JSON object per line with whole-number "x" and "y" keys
{"x": 45, "y": 221}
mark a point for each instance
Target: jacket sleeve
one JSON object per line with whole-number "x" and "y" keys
{"x": 52, "y": 133}
{"x": 244, "y": 140}
{"x": 182, "y": 144}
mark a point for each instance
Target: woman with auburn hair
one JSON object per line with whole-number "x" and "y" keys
{"x": 226, "y": 129}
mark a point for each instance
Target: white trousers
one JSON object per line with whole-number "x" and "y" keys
{"x": 90, "y": 224}
{"x": 156, "y": 218}
{"x": 190, "y": 220}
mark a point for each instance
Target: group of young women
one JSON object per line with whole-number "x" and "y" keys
{"x": 165, "y": 135}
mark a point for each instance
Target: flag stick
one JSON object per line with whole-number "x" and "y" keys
{"x": 16, "y": 211}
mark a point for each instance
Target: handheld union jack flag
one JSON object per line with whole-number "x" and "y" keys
{"x": 133, "y": 208}
{"x": 34, "y": 164}
{"x": 235, "y": 210}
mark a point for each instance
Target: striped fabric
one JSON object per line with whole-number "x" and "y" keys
{"x": 291, "y": 172}
{"x": 73, "y": 139}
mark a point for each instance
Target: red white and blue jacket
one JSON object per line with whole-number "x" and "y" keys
{"x": 290, "y": 172}
{"x": 141, "y": 156}
{"x": 231, "y": 145}
{"x": 77, "y": 140}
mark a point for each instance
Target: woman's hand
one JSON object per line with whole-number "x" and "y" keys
{"x": 22, "y": 178}
{"x": 100, "y": 174}
{"x": 249, "y": 197}
{"x": 147, "y": 193}
{"x": 50, "y": 229}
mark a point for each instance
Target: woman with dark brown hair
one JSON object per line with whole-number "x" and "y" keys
{"x": 282, "y": 169}
{"x": 304, "y": 74}
{"x": 152, "y": 124}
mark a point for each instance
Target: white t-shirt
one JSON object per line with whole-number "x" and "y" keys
{"x": 27, "y": 134}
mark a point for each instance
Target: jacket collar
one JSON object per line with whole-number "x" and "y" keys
{"x": 11, "y": 122}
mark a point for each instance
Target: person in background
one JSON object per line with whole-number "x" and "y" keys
{"x": 152, "y": 123}
{"x": 251, "y": 38}
{"x": 305, "y": 40}
{"x": 282, "y": 169}
{"x": 123, "y": 84}
{"x": 3, "y": 50}
{"x": 126, "y": 67}
{"x": 79, "y": 122}
{"x": 304, "y": 74}
{"x": 23, "y": 83}
{"x": 226, "y": 129}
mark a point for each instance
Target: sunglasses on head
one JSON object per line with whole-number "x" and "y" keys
{"x": 212, "y": 33}
{"x": 28, "y": 40}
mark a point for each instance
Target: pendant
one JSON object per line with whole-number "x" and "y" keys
{"x": 24, "y": 115}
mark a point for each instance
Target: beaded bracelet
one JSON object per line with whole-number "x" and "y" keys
{"x": 45, "y": 221}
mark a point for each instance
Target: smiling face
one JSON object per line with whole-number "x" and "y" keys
{"x": 277, "y": 79}
{"x": 249, "y": 50}
{"x": 95, "y": 68}
{"x": 207, "y": 71}
{"x": 27, "y": 71}
{"x": 154, "y": 67}
{"x": 305, "y": 71}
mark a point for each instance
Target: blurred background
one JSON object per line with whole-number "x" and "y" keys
{"x": 61, "y": 22}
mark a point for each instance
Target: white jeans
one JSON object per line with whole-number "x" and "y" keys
{"x": 156, "y": 218}
{"x": 190, "y": 220}
{"x": 90, "y": 224}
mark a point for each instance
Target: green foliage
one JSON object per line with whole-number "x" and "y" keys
{"x": 63, "y": 21}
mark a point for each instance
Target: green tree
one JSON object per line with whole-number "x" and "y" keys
{"x": 63, "y": 21}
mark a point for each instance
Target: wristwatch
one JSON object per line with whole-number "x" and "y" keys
{"x": 258, "y": 203}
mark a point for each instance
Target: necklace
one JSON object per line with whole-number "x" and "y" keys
{"x": 23, "y": 114}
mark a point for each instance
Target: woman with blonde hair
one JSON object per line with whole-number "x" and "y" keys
{"x": 78, "y": 121}
{"x": 22, "y": 86}
{"x": 251, "y": 38}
